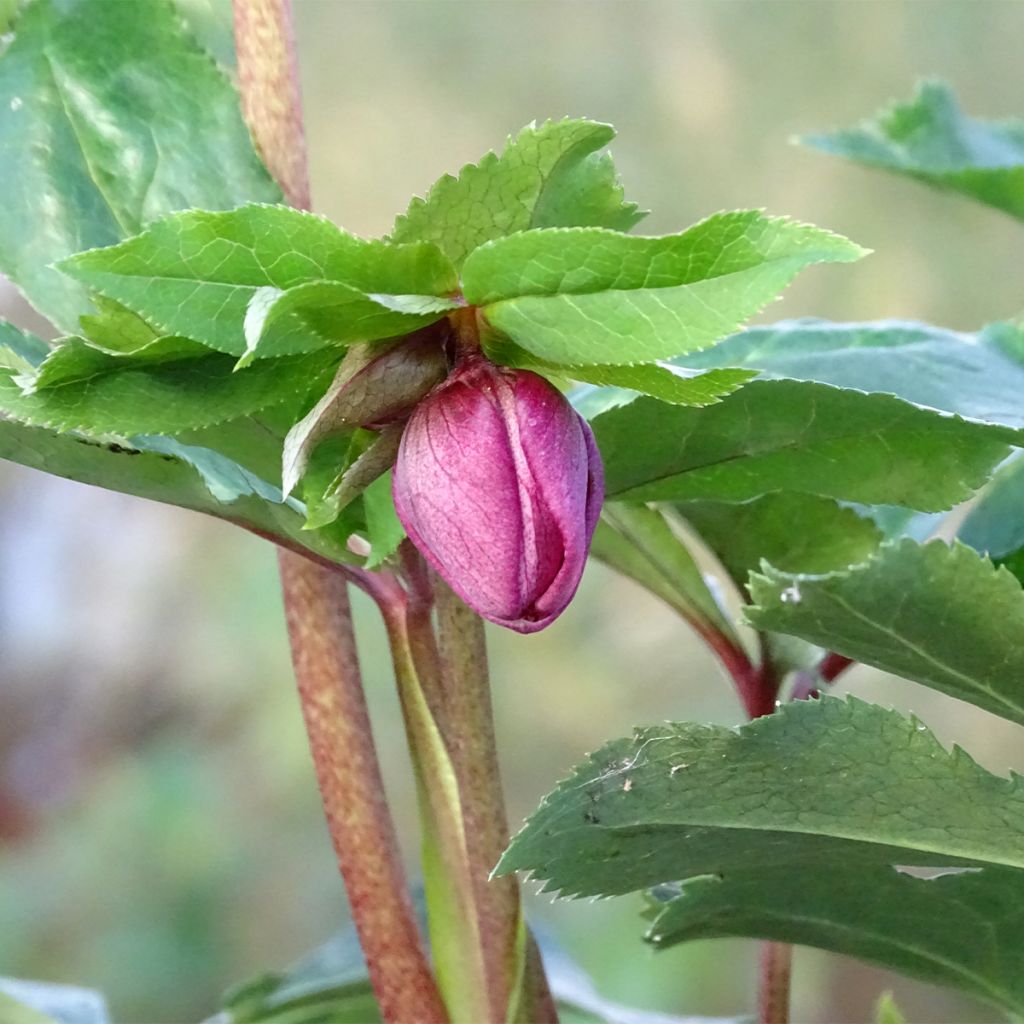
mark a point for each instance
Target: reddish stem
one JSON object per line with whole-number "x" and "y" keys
{"x": 348, "y": 773}
{"x": 776, "y": 970}
{"x": 833, "y": 665}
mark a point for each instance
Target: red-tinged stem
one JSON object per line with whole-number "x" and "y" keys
{"x": 776, "y": 968}
{"x": 318, "y": 612}
{"x": 833, "y": 665}
{"x": 348, "y": 773}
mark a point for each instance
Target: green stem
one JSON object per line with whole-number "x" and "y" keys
{"x": 515, "y": 977}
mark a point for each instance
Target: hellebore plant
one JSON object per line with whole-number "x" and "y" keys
{"x": 452, "y": 417}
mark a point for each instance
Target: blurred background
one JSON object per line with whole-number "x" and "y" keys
{"x": 160, "y": 832}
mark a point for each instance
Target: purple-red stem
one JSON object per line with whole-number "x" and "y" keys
{"x": 776, "y": 969}
{"x": 317, "y": 606}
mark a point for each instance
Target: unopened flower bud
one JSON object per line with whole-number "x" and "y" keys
{"x": 499, "y": 485}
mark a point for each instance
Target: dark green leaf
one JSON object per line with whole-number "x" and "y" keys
{"x": 167, "y": 470}
{"x": 930, "y": 139}
{"x": 995, "y": 524}
{"x": 962, "y": 929}
{"x": 109, "y": 122}
{"x": 800, "y": 436}
{"x": 551, "y": 176}
{"x": 978, "y": 376}
{"x": 38, "y": 1002}
{"x": 818, "y": 784}
{"x": 128, "y": 396}
{"x": 937, "y": 614}
{"x": 20, "y": 351}
{"x": 584, "y": 296}
{"x": 194, "y": 274}
{"x": 794, "y": 532}
{"x": 644, "y": 544}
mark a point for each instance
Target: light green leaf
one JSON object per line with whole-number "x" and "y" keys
{"x": 109, "y": 122}
{"x": 128, "y": 396}
{"x": 794, "y": 532}
{"x": 39, "y": 1002}
{"x": 930, "y": 139}
{"x": 937, "y": 614}
{"x": 547, "y": 176}
{"x": 887, "y": 1012}
{"x": 978, "y": 376}
{"x": 338, "y": 313}
{"x": 816, "y": 784}
{"x": 384, "y": 530}
{"x": 961, "y": 930}
{"x": 585, "y": 296}
{"x": 194, "y": 274}
{"x": 799, "y": 436}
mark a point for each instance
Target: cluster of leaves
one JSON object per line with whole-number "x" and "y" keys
{"x": 203, "y": 321}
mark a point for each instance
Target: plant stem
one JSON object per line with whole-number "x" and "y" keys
{"x": 776, "y": 967}
{"x": 515, "y": 976}
{"x": 317, "y": 606}
{"x": 334, "y": 709}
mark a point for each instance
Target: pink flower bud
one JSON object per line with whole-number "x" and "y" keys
{"x": 499, "y": 485}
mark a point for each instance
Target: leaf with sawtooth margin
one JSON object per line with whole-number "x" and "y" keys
{"x": 937, "y": 614}
{"x": 194, "y": 274}
{"x": 931, "y": 140}
{"x": 109, "y": 122}
{"x": 584, "y": 295}
{"x": 774, "y": 435}
{"x": 547, "y": 176}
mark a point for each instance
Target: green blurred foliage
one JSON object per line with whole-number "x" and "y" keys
{"x": 160, "y": 834}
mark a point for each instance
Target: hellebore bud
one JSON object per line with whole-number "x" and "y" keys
{"x": 375, "y": 385}
{"x": 499, "y": 485}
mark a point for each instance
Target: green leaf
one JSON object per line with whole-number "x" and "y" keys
{"x": 20, "y": 351}
{"x": 978, "y": 376}
{"x": 937, "y": 614}
{"x": 195, "y": 274}
{"x": 887, "y": 1012}
{"x": 109, "y": 122}
{"x": 338, "y": 313}
{"x": 818, "y": 784}
{"x": 995, "y": 524}
{"x": 794, "y": 532}
{"x": 585, "y": 296}
{"x": 645, "y": 545}
{"x": 38, "y": 1002}
{"x": 961, "y": 929}
{"x": 131, "y": 396}
{"x": 164, "y": 469}
{"x": 931, "y": 140}
{"x": 799, "y": 436}
{"x": 551, "y": 176}
{"x": 383, "y": 527}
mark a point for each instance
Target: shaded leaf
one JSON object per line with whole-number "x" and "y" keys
{"x": 963, "y": 930}
{"x": 384, "y": 530}
{"x": 800, "y": 436}
{"x": 978, "y": 376}
{"x": 938, "y": 614}
{"x": 585, "y": 296}
{"x": 794, "y": 532}
{"x": 816, "y": 784}
{"x": 930, "y": 139}
{"x": 109, "y": 122}
{"x": 20, "y": 351}
{"x": 194, "y": 274}
{"x": 547, "y": 176}
{"x": 995, "y": 524}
